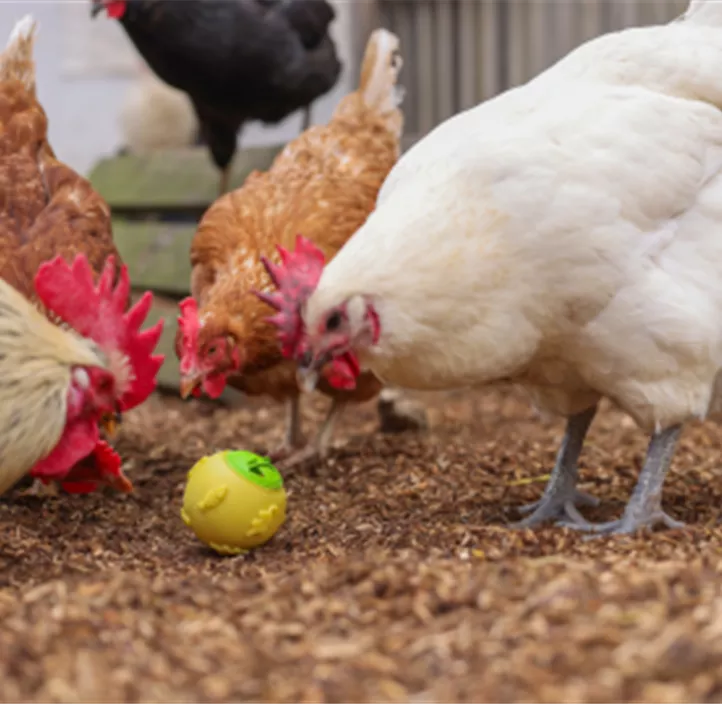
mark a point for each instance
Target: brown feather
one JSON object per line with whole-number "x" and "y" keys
{"x": 323, "y": 185}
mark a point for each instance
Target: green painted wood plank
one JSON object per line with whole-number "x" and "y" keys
{"x": 178, "y": 178}
{"x": 156, "y": 254}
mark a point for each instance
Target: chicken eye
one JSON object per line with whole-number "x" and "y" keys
{"x": 333, "y": 322}
{"x": 212, "y": 350}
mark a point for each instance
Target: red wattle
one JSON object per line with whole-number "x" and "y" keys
{"x": 76, "y": 443}
{"x": 214, "y": 385}
{"x": 342, "y": 372}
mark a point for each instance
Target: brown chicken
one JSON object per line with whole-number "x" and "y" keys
{"x": 323, "y": 185}
{"x": 59, "y": 381}
{"x": 46, "y": 208}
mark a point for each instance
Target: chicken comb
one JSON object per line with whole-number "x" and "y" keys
{"x": 99, "y": 312}
{"x": 296, "y": 278}
{"x": 189, "y": 325}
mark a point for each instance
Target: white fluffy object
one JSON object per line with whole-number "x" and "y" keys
{"x": 156, "y": 116}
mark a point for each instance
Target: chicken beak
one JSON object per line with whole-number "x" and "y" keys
{"x": 96, "y": 9}
{"x": 188, "y": 385}
{"x": 110, "y": 423}
{"x": 120, "y": 483}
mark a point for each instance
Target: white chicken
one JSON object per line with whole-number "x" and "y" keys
{"x": 566, "y": 235}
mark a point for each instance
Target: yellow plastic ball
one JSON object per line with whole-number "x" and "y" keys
{"x": 234, "y": 501}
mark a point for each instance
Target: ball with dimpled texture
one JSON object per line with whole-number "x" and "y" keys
{"x": 234, "y": 501}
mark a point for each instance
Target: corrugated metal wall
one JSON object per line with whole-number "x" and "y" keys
{"x": 460, "y": 52}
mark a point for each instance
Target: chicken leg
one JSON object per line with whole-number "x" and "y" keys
{"x": 225, "y": 181}
{"x": 306, "y": 118}
{"x": 644, "y": 509}
{"x": 318, "y": 449}
{"x": 294, "y": 439}
{"x": 561, "y": 496}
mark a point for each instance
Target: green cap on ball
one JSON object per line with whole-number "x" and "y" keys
{"x": 254, "y": 468}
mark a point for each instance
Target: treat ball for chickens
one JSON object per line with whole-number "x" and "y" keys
{"x": 234, "y": 501}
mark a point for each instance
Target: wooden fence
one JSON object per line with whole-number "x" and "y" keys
{"x": 458, "y": 53}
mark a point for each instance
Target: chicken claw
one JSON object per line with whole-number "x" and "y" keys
{"x": 644, "y": 509}
{"x": 283, "y": 451}
{"x": 306, "y": 455}
{"x": 558, "y": 507}
{"x": 625, "y": 525}
{"x": 319, "y": 449}
{"x": 561, "y": 496}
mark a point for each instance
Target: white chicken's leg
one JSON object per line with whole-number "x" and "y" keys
{"x": 644, "y": 509}
{"x": 294, "y": 437}
{"x": 561, "y": 496}
{"x": 319, "y": 448}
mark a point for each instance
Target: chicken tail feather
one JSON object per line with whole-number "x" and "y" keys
{"x": 16, "y": 60}
{"x": 379, "y": 75}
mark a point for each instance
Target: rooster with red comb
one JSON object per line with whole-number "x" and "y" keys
{"x": 58, "y": 384}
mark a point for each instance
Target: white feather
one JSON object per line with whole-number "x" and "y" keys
{"x": 156, "y": 116}
{"x": 23, "y": 29}
{"x": 566, "y": 234}
{"x": 16, "y": 60}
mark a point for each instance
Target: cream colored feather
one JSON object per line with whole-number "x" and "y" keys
{"x": 566, "y": 234}
{"x": 37, "y": 359}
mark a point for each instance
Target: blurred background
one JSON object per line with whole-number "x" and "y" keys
{"x": 456, "y": 54}
{"x": 460, "y": 52}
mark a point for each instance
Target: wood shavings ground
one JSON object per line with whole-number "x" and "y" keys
{"x": 394, "y": 578}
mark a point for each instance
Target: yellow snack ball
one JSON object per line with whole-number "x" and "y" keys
{"x": 234, "y": 501}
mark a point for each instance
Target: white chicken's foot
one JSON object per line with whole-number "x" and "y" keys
{"x": 294, "y": 440}
{"x": 398, "y": 414}
{"x": 561, "y": 496}
{"x": 319, "y": 449}
{"x": 644, "y": 509}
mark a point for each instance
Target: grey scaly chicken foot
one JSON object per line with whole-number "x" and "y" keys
{"x": 320, "y": 447}
{"x": 644, "y": 509}
{"x": 561, "y": 496}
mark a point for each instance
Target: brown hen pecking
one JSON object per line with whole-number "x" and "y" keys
{"x": 323, "y": 185}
